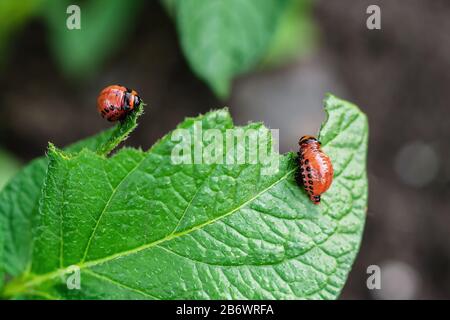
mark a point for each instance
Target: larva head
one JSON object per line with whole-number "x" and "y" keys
{"x": 132, "y": 99}
{"x": 315, "y": 199}
{"x": 116, "y": 102}
{"x": 137, "y": 100}
{"x": 305, "y": 140}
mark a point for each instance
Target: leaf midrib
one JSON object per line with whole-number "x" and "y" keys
{"x": 38, "y": 279}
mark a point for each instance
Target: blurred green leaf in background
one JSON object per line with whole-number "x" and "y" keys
{"x": 8, "y": 167}
{"x": 13, "y": 16}
{"x": 296, "y": 34}
{"x": 104, "y": 26}
{"x": 221, "y": 39}
{"x": 225, "y": 38}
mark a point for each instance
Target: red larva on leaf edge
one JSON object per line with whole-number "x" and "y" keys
{"x": 116, "y": 102}
{"x": 315, "y": 171}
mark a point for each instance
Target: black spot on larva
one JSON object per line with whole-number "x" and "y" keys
{"x": 303, "y": 176}
{"x": 308, "y": 168}
{"x": 310, "y": 187}
{"x": 306, "y": 161}
{"x": 309, "y": 175}
{"x": 111, "y": 107}
{"x": 310, "y": 182}
{"x": 301, "y": 169}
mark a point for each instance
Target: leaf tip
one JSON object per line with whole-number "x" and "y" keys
{"x": 221, "y": 87}
{"x": 332, "y": 102}
{"x": 53, "y": 151}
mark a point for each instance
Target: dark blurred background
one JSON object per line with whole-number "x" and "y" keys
{"x": 399, "y": 76}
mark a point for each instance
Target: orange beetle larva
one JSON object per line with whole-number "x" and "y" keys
{"x": 315, "y": 168}
{"x": 116, "y": 102}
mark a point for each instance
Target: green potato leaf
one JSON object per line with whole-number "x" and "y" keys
{"x": 224, "y": 38}
{"x": 137, "y": 226}
{"x": 19, "y": 200}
